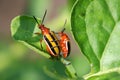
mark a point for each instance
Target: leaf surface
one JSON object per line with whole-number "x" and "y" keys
{"x": 96, "y": 28}
{"x": 23, "y": 29}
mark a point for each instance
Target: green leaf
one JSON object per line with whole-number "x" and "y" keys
{"x": 23, "y": 29}
{"x": 109, "y": 75}
{"x": 95, "y": 25}
{"x": 78, "y": 26}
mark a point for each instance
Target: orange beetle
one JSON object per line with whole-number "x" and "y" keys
{"x": 49, "y": 38}
{"x": 64, "y": 43}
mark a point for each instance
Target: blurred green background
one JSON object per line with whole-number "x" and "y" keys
{"x": 17, "y": 62}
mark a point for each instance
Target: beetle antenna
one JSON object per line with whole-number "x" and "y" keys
{"x": 64, "y": 26}
{"x": 44, "y": 16}
{"x": 36, "y": 20}
{"x": 63, "y": 30}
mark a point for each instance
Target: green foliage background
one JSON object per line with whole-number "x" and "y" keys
{"x": 96, "y": 22}
{"x": 18, "y": 62}
{"x": 94, "y": 25}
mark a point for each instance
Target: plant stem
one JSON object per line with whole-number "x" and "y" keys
{"x": 69, "y": 67}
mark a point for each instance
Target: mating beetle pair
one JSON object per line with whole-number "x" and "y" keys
{"x": 54, "y": 45}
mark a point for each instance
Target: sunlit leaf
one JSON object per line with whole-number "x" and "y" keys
{"x": 95, "y": 26}
{"x": 23, "y": 29}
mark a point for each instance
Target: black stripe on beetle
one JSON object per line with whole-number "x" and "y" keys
{"x": 49, "y": 44}
{"x": 54, "y": 40}
{"x": 69, "y": 48}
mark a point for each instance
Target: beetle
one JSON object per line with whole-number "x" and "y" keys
{"x": 49, "y": 38}
{"x": 64, "y": 42}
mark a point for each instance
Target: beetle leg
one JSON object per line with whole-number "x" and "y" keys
{"x": 41, "y": 40}
{"x": 48, "y": 50}
{"x": 37, "y": 33}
